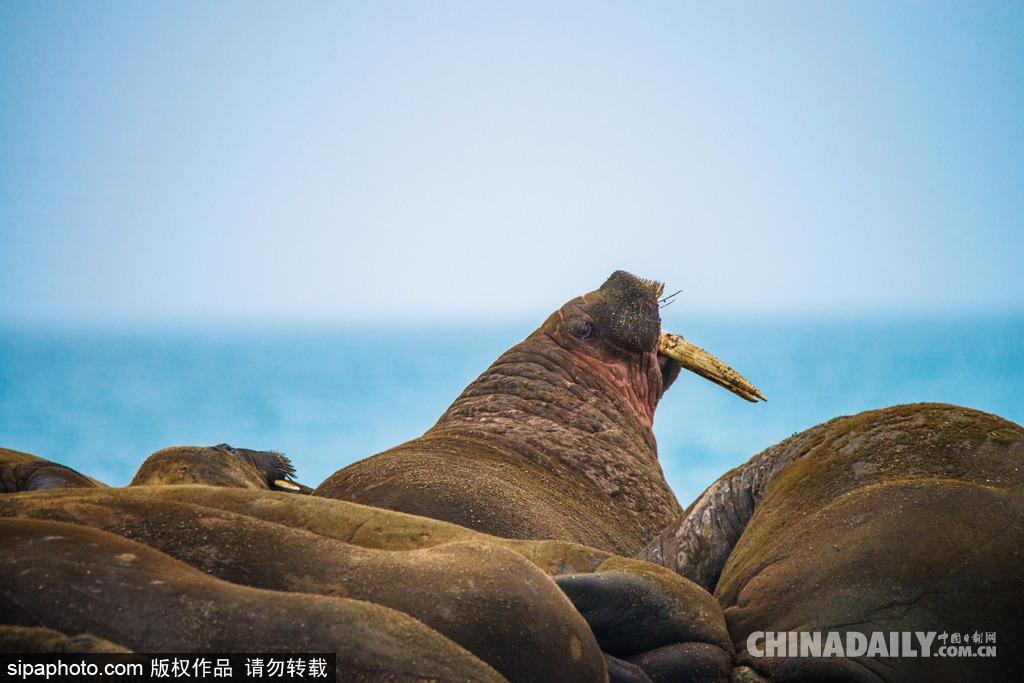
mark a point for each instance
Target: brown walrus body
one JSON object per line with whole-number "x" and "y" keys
{"x": 908, "y": 519}
{"x": 463, "y": 589}
{"x": 137, "y": 597}
{"x": 219, "y": 465}
{"x": 23, "y": 472}
{"x": 553, "y": 440}
{"x": 490, "y": 596}
{"x": 902, "y": 520}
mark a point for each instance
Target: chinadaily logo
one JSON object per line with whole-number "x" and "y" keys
{"x": 875, "y": 644}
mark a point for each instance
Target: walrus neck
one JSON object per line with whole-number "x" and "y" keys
{"x": 569, "y": 411}
{"x": 631, "y": 382}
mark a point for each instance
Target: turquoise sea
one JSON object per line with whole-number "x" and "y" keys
{"x": 101, "y": 402}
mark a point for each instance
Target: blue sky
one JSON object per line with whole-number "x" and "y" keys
{"x": 197, "y": 162}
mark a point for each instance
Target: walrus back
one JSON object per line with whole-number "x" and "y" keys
{"x": 484, "y": 484}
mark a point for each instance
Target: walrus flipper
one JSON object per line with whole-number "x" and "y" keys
{"x": 651, "y": 623}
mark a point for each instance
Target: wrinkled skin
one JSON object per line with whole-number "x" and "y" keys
{"x": 909, "y": 518}
{"x": 552, "y": 441}
{"x": 903, "y": 519}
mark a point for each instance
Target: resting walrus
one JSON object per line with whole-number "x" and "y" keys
{"x": 554, "y": 440}
{"x": 23, "y": 472}
{"x": 905, "y": 520}
{"x": 74, "y": 579}
{"x": 219, "y": 465}
{"x": 463, "y": 589}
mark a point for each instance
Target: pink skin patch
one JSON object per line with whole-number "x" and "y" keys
{"x": 632, "y": 382}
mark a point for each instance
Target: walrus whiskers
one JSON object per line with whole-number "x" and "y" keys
{"x": 656, "y": 288}
{"x": 666, "y": 300}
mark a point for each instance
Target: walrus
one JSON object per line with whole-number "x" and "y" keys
{"x": 554, "y": 440}
{"x": 137, "y": 597}
{"x": 458, "y": 581}
{"x": 24, "y": 472}
{"x": 219, "y": 465}
{"x": 466, "y": 589}
{"x": 908, "y": 519}
{"x": 601, "y": 380}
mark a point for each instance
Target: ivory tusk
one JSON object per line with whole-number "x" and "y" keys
{"x": 701, "y": 362}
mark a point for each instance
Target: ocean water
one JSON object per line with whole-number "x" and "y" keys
{"x": 101, "y": 402}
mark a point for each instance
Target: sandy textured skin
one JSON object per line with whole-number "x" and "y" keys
{"x": 470, "y": 586}
{"x": 487, "y": 598}
{"x": 219, "y": 465}
{"x": 909, "y": 518}
{"x": 23, "y": 472}
{"x": 137, "y": 597}
{"x": 552, "y": 441}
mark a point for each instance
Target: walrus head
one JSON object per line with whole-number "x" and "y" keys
{"x": 617, "y": 331}
{"x": 555, "y": 439}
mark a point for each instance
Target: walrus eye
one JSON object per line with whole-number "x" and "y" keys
{"x": 581, "y": 328}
